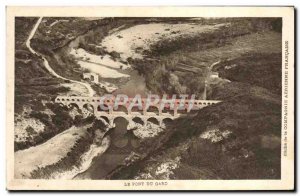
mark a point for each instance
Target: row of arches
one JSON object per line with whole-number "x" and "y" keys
{"x": 78, "y": 99}
{"x": 104, "y": 108}
{"x": 206, "y": 103}
{"x": 82, "y": 99}
{"x": 140, "y": 120}
{"x": 154, "y": 109}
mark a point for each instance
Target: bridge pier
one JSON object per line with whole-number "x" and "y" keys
{"x": 175, "y": 111}
{"x": 111, "y": 122}
{"x": 160, "y": 122}
{"x": 95, "y": 109}
{"x": 159, "y": 111}
{"x": 144, "y": 121}
{"x": 110, "y": 110}
{"x": 80, "y": 106}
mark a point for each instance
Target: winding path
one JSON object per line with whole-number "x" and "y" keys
{"x": 91, "y": 92}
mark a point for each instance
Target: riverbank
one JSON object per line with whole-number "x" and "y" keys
{"x": 63, "y": 156}
{"x": 49, "y": 153}
{"x": 224, "y": 141}
{"x": 96, "y": 149}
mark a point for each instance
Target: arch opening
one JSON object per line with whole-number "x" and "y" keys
{"x": 153, "y": 120}
{"x": 103, "y": 108}
{"x": 136, "y": 109}
{"x": 120, "y": 108}
{"x": 167, "y": 110}
{"x": 89, "y": 107}
{"x": 105, "y": 118}
{"x": 138, "y": 120}
{"x": 153, "y": 109}
{"x": 73, "y": 105}
{"x": 183, "y": 110}
{"x": 121, "y": 124}
{"x": 167, "y": 121}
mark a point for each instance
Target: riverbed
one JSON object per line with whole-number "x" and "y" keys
{"x": 122, "y": 141}
{"x": 122, "y": 144}
{"x": 120, "y": 74}
{"x": 126, "y": 42}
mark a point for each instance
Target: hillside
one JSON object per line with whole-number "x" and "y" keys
{"x": 239, "y": 138}
{"x": 32, "y": 79}
{"x": 239, "y": 60}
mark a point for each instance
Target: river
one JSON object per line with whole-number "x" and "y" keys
{"x": 123, "y": 142}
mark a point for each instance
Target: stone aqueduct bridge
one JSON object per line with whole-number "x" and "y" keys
{"x": 155, "y": 113}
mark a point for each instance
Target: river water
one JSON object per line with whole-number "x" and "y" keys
{"x": 123, "y": 142}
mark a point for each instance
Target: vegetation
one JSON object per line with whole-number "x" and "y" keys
{"x": 73, "y": 157}
{"x": 197, "y": 53}
{"x": 264, "y": 71}
{"x": 57, "y": 32}
{"x": 32, "y": 81}
{"x": 247, "y": 124}
{"x": 55, "y": 124}
{"x": 250, "y": 113}
{"x": 65, "y": 164}
{"x": 250, "y": 151}
{"x": 238, "y": 27}
{"x": 253, "y": 149}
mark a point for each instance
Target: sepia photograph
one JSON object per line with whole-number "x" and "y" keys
{"x": 150, "y": 101}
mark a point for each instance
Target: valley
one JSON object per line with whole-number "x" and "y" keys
{"x": 234, "y": 60}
